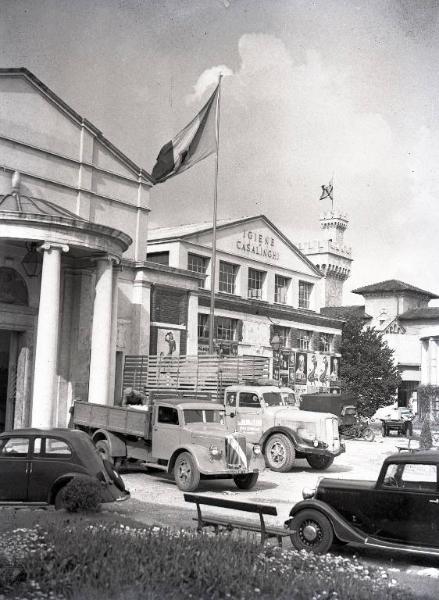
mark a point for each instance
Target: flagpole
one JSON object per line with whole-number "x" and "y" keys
{"x": 215, "y": 202}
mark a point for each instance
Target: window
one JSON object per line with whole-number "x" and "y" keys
{"x": 168, "y": 415}
{"x": 162, "y": 258}
{"x": 249, "y": 400}
{"x": 203, "y": 326}
{"x": 57, "y": 447}
{"x": 304, "y": 339}
{"x": 197, "y": 264}
{"x": 305, "y": 290}
{"x": 420, "y": 477}
{"x": 231, "y": 399}
{"x": 227, "y": 277}
{"x": 202, "y": 416}
{"x": 38, "y": 445}
{"x": 283, "y": 334}
{"x": 281, "y": 285}
{"x": 325, "y": 342}
{"x": 255, "y": 281}
{"x": 15, "y": 447}
{"x": 225, "y": 328}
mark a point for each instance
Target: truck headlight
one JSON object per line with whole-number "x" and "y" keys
{"x": 214, "y": 451}
{"x": 257, "y": 450}
{"x": 308, "y": 493}
{"x": 315, "y": 443}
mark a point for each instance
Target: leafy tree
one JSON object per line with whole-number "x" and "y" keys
{"x": 367, "y": 368}
{"x": 426, "y": 441}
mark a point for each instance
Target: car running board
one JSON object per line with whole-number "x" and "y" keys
{"x": 4, "y": 503}
{"x": 375, "y": 543}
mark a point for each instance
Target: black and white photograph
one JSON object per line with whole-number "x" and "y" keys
{"x": 219, "y": 299}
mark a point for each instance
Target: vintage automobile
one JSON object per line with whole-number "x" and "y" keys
{"x": 398, "y": 512}
{"x": 35, "y": 465}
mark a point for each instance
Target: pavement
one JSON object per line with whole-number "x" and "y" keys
{"x": 156, "y": 500}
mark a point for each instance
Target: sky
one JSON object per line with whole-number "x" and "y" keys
{"x": 311, "y": 89}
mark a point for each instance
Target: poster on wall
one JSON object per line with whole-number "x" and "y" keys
{"x": 318, "y": 370}
{"x": 168, "y": 342}
{"x": 301, "y": 368}
{"x": 334, "y": 376}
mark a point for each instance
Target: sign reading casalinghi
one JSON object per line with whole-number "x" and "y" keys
{"x": 262, "y": 245}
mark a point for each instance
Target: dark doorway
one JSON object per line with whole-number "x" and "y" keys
{"x": 5, "y": 341}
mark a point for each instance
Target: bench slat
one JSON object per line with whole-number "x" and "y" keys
{"x": 232, "y": 504}
{"x": 276, "y": 531}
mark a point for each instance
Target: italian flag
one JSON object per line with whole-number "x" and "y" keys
{"x": 193, "y": 143}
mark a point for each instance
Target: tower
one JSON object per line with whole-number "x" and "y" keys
{"x": 331, "y": 255}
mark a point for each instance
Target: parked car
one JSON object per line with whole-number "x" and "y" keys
{"x": 400, "y": 511}
{"x": 394, "y": 418}
{"x": 35, "y": 465}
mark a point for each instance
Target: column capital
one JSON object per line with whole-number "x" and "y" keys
{"x": 110, "y": 258}
{"x": 55, "y": 246}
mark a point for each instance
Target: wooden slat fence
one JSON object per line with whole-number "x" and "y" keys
{"x": 202, "y": 373}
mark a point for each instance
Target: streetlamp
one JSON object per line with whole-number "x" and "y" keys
{"x": 32, "y": 261}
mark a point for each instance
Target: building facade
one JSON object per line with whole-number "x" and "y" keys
{"x": 75, "y": 290}
{"x": 267, "y": 298}
{"x": 401, "y": 312}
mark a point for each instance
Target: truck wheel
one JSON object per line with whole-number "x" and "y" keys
{"x": 246, "y": 482}
{"x": 320, "y": 463}
{"x": 186, "y": 473}
{"x": 279, "y": 453}
{"x": 103, "y": 447}
{"x": 368, "y": 434}
{"x": 311, "y": 531}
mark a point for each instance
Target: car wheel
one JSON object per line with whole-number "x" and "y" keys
{"x": 114, "y": 475}
{"x": 186, "y": 473}
{"x": 279, "y": 453}
{"x": 311, "y": 531}
{"x": 320, "y": 463}
{"x": 59, "y": 499}
{"x": 103, "y": 447}
{"x": 246, "y": 482}
{"x": 368, "y": 434}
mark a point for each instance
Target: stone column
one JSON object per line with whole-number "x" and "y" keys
{"x": 192, "y": 325}
{"x": 113, "y": 343}
{"x": 44, "y": 384}
{"x": 99, "y": 382}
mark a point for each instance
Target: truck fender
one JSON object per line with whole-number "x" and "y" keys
{"x": 343, "y": 530}
{"x": 117, "y": 445}
{"x": 278, "y": 429}
{"x": 191, "y": 448}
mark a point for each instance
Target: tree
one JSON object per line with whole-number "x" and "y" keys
{"x": 367, "y": 368}
{"x": 426, "y": 441}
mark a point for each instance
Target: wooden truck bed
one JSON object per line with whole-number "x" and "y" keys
{"x": 129, "y": 421}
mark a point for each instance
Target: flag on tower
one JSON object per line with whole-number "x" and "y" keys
{"x": 193, "y": 143}
{"x": 328, "y": 191}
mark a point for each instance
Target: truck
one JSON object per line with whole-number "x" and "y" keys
{"x": 176, "y": 433}
{"x": 284, "y": 432}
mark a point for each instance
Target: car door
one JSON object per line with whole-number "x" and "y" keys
{"x": 51, "y": 457}
{"x": 249, "y": 415}
{"x": 14, "y": 467}
{"x": 407, "y": 504}
{"x": 165, "y": 432}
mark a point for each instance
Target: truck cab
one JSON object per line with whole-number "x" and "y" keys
{"x": 285, "y": 432}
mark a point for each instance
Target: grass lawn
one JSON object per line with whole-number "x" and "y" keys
{"x": 55, "y": 555}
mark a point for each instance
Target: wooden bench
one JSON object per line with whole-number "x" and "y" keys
{"x": 229, "y": 524}
{"x": 412, "y": 444}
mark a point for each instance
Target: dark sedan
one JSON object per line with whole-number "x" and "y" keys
{"x": 399, "y": 511}
{"x": 35, "y": 465}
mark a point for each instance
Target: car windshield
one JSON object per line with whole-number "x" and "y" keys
{"x": 289, "y": 398}
{"x": 195, "y": 415}
{"x": 273, "y": 398}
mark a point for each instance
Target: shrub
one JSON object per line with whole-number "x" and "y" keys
{"x": 82, "y": 493}
{"x": 426, "y": 441}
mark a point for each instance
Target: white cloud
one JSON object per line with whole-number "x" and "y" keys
{"x": 209, "y": 78}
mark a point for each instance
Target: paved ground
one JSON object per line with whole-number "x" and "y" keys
{"x": 157, "y": 500}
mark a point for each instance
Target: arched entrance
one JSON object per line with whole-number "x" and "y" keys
{"x": 13, "y": 303}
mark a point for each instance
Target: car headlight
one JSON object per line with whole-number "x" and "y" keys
{"x": 214, "y": 451}
{"x": 308, "y": 493}
{"x": 257, "y": 450}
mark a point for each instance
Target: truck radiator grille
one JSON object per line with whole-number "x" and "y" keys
{"x": 236, "y": 451}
